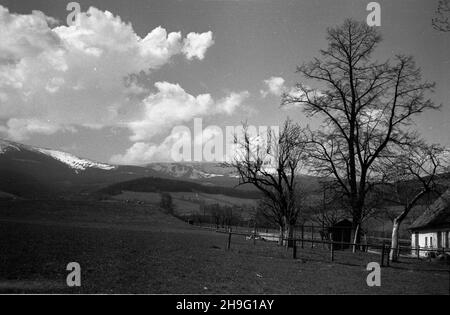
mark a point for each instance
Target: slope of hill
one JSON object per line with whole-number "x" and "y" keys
{"x": 31, "y": 172}
{"x": 218, "y": 174}
{"x": 72, "y": 161}
{"x": 194, "y": 170}
{"x": 75, "y": 162}
{"x": 154, "y": 184}
{"x": 28, "y": 171}
{"x": 208, "y": 173}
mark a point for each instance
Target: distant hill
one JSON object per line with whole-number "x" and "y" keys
{"x": 208, "y": 173}
{"x": 28, "y": 171}
{"x": 218, "y": 174}
{"x": 195, "y": 170}
{"x": 153, "y": 184}
{"x": 33, "y": 172}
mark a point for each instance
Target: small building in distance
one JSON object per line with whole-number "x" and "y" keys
{"x": 431, "y": 231}
{"x": 342, "y": 233}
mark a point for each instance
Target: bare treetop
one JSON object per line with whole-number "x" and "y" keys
{"x": 273, "y": 166}
{"x": 366, "y": 106}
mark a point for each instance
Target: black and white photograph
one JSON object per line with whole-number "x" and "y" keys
{"x": 224, "y": 154}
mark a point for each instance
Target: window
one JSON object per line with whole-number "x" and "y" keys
{"x": 426, "y": 241}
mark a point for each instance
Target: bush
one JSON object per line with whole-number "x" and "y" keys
{"x": 167, "y": 203}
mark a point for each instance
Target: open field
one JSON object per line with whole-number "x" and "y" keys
{"x": 134, "y": 249}
{"x": 187, "y": 203}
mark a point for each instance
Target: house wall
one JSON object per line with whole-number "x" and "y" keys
{"x": 430, "y": 240}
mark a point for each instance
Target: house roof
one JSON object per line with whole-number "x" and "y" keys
{"x": 435, "y": 216}
{"x": 343, "y": 223}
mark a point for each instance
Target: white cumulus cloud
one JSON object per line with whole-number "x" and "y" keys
{"x": 20, "y": 129}
{"x": 274, "y": 86}
{"x": 57, "y": 77}
{"x": 195, "y": 45}
{"x": 229, "y": 104}
{"x": 172, "y": 105}
{"x": 141, "y": 153}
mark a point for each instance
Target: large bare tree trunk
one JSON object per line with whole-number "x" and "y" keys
{"x": 280, "y": 239}
{"x": 290, "y": 235}
{"x": 393, "y": 255}
{"x": 356, "y": 227}
{"x": 356, "y": 238}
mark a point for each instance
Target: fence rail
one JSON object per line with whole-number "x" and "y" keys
{"x": 383, "y": 250}
{"x": 307, "y": 230}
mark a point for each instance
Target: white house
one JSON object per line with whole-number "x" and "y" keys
{"x": 432, "y": 229}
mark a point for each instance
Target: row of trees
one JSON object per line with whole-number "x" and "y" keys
{"x": 366, "y": 145}
{"x": 220, "y": 215}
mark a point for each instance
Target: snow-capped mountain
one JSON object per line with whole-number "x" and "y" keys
{"x": 74, "y": 162}
{"x": 8, "y": 146}
{"x": 30, "y": 171}
{"x": 194, "y": 170}
{"x": 27, "y": 171}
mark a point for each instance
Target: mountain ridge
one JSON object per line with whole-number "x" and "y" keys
{"x": 69, "y": 159}
{"x": 29, "y": 171}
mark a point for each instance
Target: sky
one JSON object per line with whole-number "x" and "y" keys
{"x": 112, "y": 87}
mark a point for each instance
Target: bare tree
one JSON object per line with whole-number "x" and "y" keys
{"x": 269, "y": 210}
{"x": 272, "y": 167}
{"x": 442, "y": 20}
{"x": 366, "y": 106}
{"x": 325, "y": 206}
{"x": 409, "y": 175}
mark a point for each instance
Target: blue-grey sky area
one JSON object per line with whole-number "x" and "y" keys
{"x": 65, "y": 88}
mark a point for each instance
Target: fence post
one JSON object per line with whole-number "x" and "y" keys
{"x": 303, "y": 234}
{"x": 322, "y": 237}
{"x": 294, "y": 251}
{"x": 388, "y": 254}
{"x": 418, "y": 251}
{"x": 331, "y": 247}
{"x": 382, "y": 254}
{"x": 312, "y": 236}
{"x": 229, "y": 240}
{"x": 355, "y": 239}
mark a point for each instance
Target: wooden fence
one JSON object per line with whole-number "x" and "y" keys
{"x": 383, "y": 250}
